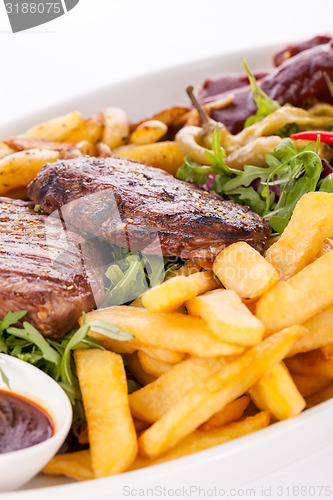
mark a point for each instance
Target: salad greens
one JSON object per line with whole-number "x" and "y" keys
{"x": 54, "y": 357}
{"x": 265, "y": 105}
{"x": 131, "y": 274}
{"x": 273, "y": 191}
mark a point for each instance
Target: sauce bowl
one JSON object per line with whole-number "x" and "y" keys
{"x": 18, "y": 467}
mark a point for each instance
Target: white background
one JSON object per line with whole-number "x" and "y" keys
{"x": 103, "y": 41}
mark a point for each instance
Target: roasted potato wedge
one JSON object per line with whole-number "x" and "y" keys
{"x": 148, "y": 132}
{"x": 56, "y": 129}
{"x": 115, "y": 127}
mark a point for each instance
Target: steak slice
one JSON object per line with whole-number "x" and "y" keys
{"x": 43, "y": 270}
{"x": 144, "y": 208}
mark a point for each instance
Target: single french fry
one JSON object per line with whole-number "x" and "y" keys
{"x": 56, "y": 129}
{"x": 243, "y": 269}
{"x": 310, "y": 384}
{"x": 89, "y": 130}
{"x": 171, "y": 294}
{"x": 327, "y": 350}
{"x": 311, "y": 363}
{"x": 230, "y": 413}
{"x": 115, "y": 127}
{"x": 112, "y": 436}
{"x": 227, "y": 316}
{"x": 135, "y": 367}
{"x": 215, "y": 392}
{"x": 320, "y": 332}
{"x": 310, "y": 224}
{"x": 152, "y": 401}
{"x": 171, "y": 357}
{"x": 289, "y": 302}
{"x": 19, "y": 169}
{"x": 76, "y": 465}
{"x": 170, "y": 331}
{"x": 320, "y": 397}
{"x": 153, "y": 366}
{"x": 148, "y": 132}
{"x": 276, "y": 392}
{"x": 201, "y": 440}
{"x": 165, "y": 155}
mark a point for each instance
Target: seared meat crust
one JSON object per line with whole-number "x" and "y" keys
{"x": 130, "y": 204}
{"x": 43, "y": 270}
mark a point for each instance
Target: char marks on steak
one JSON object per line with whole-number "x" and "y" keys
{"x": 43, "y": 270}
{"x": 130, "y": 204}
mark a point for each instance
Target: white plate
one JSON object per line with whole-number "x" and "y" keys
{"x": 232, "y": 464}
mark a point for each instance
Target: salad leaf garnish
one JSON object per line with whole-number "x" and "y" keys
{"x": 4, "y": 378}
{"x": 265, "y": 105}
{"x": 329, "y": 82}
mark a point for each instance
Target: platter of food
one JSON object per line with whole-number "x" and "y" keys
{"x": 166, "y": 257}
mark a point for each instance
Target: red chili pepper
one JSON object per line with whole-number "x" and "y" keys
{"x": 311, "y": 135}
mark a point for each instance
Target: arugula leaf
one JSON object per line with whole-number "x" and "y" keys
{"x": 265, "y": 105}
{"x": 191, "y": 171}
{"x": 4, "y": 378}
{"x": 218, "y": 155}
{"x": 326, "y": 184}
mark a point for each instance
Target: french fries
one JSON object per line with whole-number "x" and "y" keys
{"x": 289, "y": 302}
{"x": 310, "y": 384}
{"x": 214, "y": 392}
{"x": 309, "y": 226}
{"x": 170, "y": 331}
{"x": 320, "y": 397}
{"x": 171, "y": 294}
{"x": 164, "y": 155}
{"x": 76, "y": 465}
{"x": 151, "y": 402}
{"x": 227, "y": 316}
{"x": 57, "y": 129}
{"x": 242, "y": 269}
{"x": 153, "y": 366}
{"x": 201, "y": 440}
{"x": 135, "y": 368}
{"x": 171, "y": 357}
{"x": 277, "y": 393}
{"x": 231, "y": 412}
{"x": 311, "y": 363}
{"x": 327, "y": 350}
{"x": 115, "y": 127}
{"x": 148, "y": 132}
{"x": 111, "y": 431}
{"x": 18, "y": 169}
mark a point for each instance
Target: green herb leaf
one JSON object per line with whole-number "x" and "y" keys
{"x": 191, "y": 171}
{"x": 329, "y": 82}
{"x": 265, "y": 105}
{"x": 4, "y": 378}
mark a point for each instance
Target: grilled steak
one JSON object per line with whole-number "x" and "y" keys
{"x": 144, "y": 208}
{"x": 42, "y": 269}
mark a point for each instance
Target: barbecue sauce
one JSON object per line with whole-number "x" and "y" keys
{"x": 22, "y": 423}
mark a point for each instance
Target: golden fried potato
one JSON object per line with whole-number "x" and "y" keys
{"x": 241, "y": 268}
{"x": 19, "y": 169}
{"x": 152, "y": 401}
{"x": 230, "y": 413}
{"x": 326, "y": 246}
{"x": 327, "y": 350}
{"x": 86, "y": 148}
{"x": 299, "y": 298}
{"x": 171, "y": 357}
{"x": 89, "y": 130}
{"x": 164, "y": 155}
{"x": 115, "y": 127}
{"x": 190, "y": 267}
{"x": 215, "y": 392}
{"x": 22, "y": 143}
{"x": 309, "y": 226}
{"x": 135, "y": 368}
{"x": 320, "y": 332}
{"x": 148, "y": 132}
{"x": 201, "y": 440}
{"x": 56, "y": 129}
{"x": 168, "y": 116}
{"x": 76, "y": 465}
{"x": 171, "y": 294}
{"x": 227, "y": 317}
{"x": 170, "y": 331}
{"x": 320, "y": 397}
{"x": 112, "y": 436}
{"x": 153, "y": 366}
{"x": 276, "y": 392}
{"x": 310, "y": 384}
{"x": 311, "y": 363}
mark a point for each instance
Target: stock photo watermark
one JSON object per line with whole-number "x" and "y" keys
{"x": 31, "y": 13}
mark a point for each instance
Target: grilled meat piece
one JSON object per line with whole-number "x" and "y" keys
{"x": 43, "y": 271}
{"x": 144, "y": 208}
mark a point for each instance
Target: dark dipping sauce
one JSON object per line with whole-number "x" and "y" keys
{"x": 22, "y": 423}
